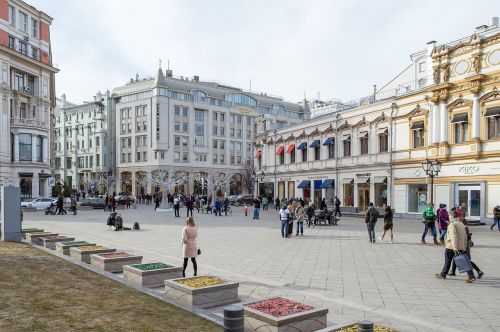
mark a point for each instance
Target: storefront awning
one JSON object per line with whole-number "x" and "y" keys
{"x": 304, "y": 184}
{"x": 315, "y": 143}
{"x": 460, "y": 118}
{"x": 493, "y": 112}
{"x": 290, "y": 148}
{"x": 25, "y": 174}
{"x": 44, "y": 175}
{"x": 280, "y": 150}
{"x": 417, "y": 125}
{"x": 329, "y": 141}
{"x": 258, "y": 154}
{"x": 380, "y": 179}
{"x": 328, "y": 183}
{"x": 347, "y": 180}
{"x": 302, "y": 146}
{"x": 362, "y": 179}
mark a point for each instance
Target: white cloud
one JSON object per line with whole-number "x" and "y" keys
{"x": 337, "y": 48}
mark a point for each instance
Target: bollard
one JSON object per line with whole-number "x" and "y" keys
{"x": 233, "y": 318}
{"x": 365, "y": 326}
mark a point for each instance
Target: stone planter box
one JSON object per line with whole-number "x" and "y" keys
{"x": 300, "y": 318}
{"x": 82, "y": 254}
{"x": 64, "y": 247}
{"x": 150, "y": 275}
{"x": 36, "y": 237}
{"x": 114, "y": 261}
{"x": 25, "y": 231}
{"x": 50, "y": 241}
{"x": 203, "y": 296}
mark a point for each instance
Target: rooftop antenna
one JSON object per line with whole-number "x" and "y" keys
{"x": 168, "y": 64}
{"x": 319, "y": 96}
{"x": 250, "y": 85}
{"x": 159, "y": 62}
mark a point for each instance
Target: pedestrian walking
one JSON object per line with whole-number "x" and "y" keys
{"x": 456, "y": 244}
{"x": 177, "y": 205}
{"x": 323, "y": 205}
{"x": 113, "y": 202}
{"x": 189, "y": 207}
{"x": 106, "y": 203}
{"x": 442, "y": 218}
{"x": 226, "y": 205}
{"x": 246, "y": 210}
{"x": 496, "y": 217}
{"x": 300, "y": 213}
{"x": 284, "y": 218}
{"x": 277, "y": 203}
{"x": 157, "y": 201}
{"x": 388, "y": 223}
{"x": 256, "y": 208}
{"x": 218, "y": 207}
{"x": 310, "y": 214}
{"x": 371, "y": 216}
{"x": 337, "y": 207}
{"x": 73, "y": 205}
{"x": 480, "y": 273}
{"x": 293, "y": 216}
{"x": 190, "y": 245}
{"x": 429, "y": 221}
{"x": 128, "y": 202}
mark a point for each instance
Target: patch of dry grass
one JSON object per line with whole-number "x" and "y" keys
{"x": 41, "y": 292}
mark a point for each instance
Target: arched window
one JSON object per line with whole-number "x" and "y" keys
{"x": 198, "y": 94}
{"x": 241, "y": 99}
{"x": 279, "y": 109}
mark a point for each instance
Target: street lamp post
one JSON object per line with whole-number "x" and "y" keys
{"x": 257, "y": 178}
{"x": 432, "y": 169}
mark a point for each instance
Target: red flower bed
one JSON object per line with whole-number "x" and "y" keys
{"x": 279, "y": 307}
{"x": 56, "y": 237}
{"x": 115, "y": 255}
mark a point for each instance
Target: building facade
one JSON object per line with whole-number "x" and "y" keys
{"x": 190, "y": 126}
{"x": 27, "y": 86}
{"x": 371, "y": 149}
{"x": 82, "y": 142}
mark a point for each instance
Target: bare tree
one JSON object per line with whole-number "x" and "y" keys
{"x": 217, "y": 181}
{"x": 142, "y": 178}
{"x": 248, "y": 178}
{"x": 105, "y": 179}
{"x": 167, "y": 180}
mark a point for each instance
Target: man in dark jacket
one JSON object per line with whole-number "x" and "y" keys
{"x": 322, "y": 205}
{"x": 337, "y": 207}
{"x": 256, "y": 208}
{"x": 496, "y": 217}
{"x": 189, "y": 206}
{"x": 277, "y": 203}
{"x": 371, "y": 217}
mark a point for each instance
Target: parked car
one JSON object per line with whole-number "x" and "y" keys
{"x": 244, "y": 199}
{"x": 122, "y": 199}
{"x": 38, "y": 203}
{"x": 232, "y": 199}
{"x": 96, "y": 203}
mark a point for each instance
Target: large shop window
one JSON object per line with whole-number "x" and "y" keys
{"x": 417, "y": 197}
{"x": 25, "y": 184}
{"x": 493, "y": 122}
{"x": 417, "y": 132}
{"x": 348, "y": 191}
{"x": 460, "y": 128}
{"x": 380, "y": 191}
{"x": 25, "y": 147}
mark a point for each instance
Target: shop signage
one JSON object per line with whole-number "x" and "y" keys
{"x": 363, "y": 175}
{"x": 289, "y": 178}
{"x": 468, "y": 169}
{"x": 317, "y": 177}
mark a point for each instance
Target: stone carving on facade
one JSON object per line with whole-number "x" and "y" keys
{"x": 261, "y": 124}
{"x": 437, "y": 74}
{"x": 476, "y": 63}
{"x": 446, "y": 73}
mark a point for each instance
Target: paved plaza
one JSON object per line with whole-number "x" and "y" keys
{"x": 331, "y": 266}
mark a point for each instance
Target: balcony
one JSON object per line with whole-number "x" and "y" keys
{"x": 28, "y": 123}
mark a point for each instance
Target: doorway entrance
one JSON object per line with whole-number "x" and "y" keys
{"x": 363, "y": 196}
{"x": 470, "y": 194}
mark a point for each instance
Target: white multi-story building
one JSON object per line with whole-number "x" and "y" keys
{"x": 81, "y": 143}
{"x": 27, "y": 88}
{"x": 372, "y": 149}
{"x": 188, "y": 125}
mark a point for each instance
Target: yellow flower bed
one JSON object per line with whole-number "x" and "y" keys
{"x": 376, "y": 329}
{"x": 198, "y": 282}
{"x": 90, "y": 248}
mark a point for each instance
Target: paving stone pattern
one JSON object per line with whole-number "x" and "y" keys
{"x": 331, "y": 266}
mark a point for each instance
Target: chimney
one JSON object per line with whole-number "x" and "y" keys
{"x": 494, "y": 21}
{"x": 169, "y": 73}
{"x": 196, "y": 78}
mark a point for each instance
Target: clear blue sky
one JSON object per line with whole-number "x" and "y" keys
{"x": 337, "y": 48}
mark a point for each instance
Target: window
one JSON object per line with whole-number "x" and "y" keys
{"x": 12, "y": 15}
{"x": 39, "y": 149}
{"x": 129, "y": 127}
{"x": 383, "y": 142}
{"x": 238, "y": 133}
{"x": 138, "y": 126}
{"x": 144, "y": 140}
{"x": 215, "y": 130}
{"x": 137, "y": 156}
{"x": 23, "y": 22}
{"x": 222, "y": 117}
{"x": 417, "y": 131}
{"x": 185, "y": 111}
{"x": 231, "y": 132}
{"x": 129, "y": 157}
{"x": 177, "y": 126}
{"x": 97, "y": 160}
{"x": 129, "y": 113}
{"x": 91, "y": 161}
{"x": 199, "y": 116}
{"x": 31, "y": 84}
{"x": 177, "y": 141}
{"x": 138, "y": 141}
{"x": 185, "y": 127}
{"x": 363, "y": 142}
{"x": 215, "y": 116}
{"x": 144, "y": 156}
{"x": 177, "y": 110}
{"x": 144, "y": 125}
{"x": 317, "y": 153}
{"x": 238, "y": 119}
{"x": 22, "y": 110}
{"x": 231, "y": 118}
{"x": 123, "y": 158}
{"x": 177, "y": 156}
{"x": 199, "y": 130}
{"x": 222, "y": 131}
{"x": 331, "y": 150}
{"x": 282, "y": 157}
{"x": 34, "y": 28}
{"x": 304, "y": 154}
{"x": 184, "y": 156}
{"x": 493, "y": 123}
{"x": 417, "y": 197}
{"x": 12, "y": 42}
{"x": 422, "y": 67}
{"x": 19, "y": 82}
{"x": 124, "y": 128}
{"x": 347, "y": 147}
{"x": 97, "y": 139}
{"x": 241, "y": 99}
{"x": 292, "y": 156}
{"x": 461, "y": 132}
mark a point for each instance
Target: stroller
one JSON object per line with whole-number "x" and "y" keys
{"x": 115, "y": 221}
{"x": 51, "y": 209}
{"x": 325, "y": 216}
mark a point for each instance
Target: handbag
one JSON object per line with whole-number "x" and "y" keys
{"x": 462, "y": 261}
{"x": 199, "y": 251}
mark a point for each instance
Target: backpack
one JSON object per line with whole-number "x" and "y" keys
{"x": 373, "y": 215}
{"x": 136, "y": 226}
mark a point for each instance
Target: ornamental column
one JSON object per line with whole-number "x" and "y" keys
{"x": 434, "y": 108}
{"x": 476, "y": 119}
{"x": 16, "y": 147}
{"x": 443, "y": 125}
{"x": 33, "y": 148}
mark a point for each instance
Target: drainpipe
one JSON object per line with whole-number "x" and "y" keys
{"x": 337, "y": 118}
{"x": 391, "y": 166}
{"x": 274, "y": 169}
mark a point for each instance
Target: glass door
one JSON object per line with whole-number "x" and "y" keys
{"x": 471, "y": 197}
{"x": 363, "y": 197}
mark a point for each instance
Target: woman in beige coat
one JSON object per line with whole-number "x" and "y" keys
{"x": 190, "y": 244}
